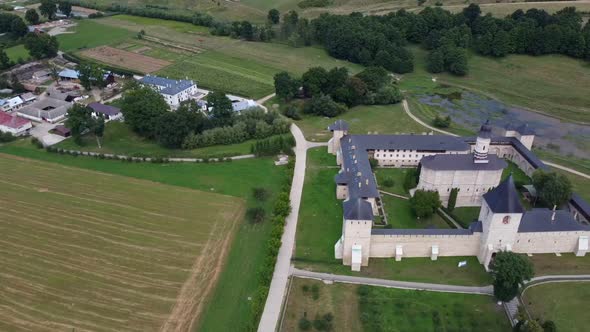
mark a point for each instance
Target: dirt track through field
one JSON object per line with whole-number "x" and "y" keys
{"x": 91, "y": 251}
{"x": 125, "y": 59}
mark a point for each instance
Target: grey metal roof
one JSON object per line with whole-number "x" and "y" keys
{"x": 421, "y": 231}
{"x": 504, "y": 198}
{"x": 540, "y": 220}
{"x": 357, "y": 209}
{"x": 168, "y": 86}
{"x": 462, "y": 162}
{"x": 104, "y": 109}
{"x": 485, "y": 131}
{"x": 47, "y": 108}
{"x": 440, "y": 143}
{"x": 338, "y": 125}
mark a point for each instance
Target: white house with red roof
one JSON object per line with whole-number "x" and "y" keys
{"x": 11, "y": 123}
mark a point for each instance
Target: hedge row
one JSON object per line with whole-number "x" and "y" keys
{"x": 282, "y": 208}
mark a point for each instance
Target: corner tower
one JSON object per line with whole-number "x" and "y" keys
{"x": 355, "y": 244}
{"x": 482, "y": 144}
{"x": 339, "y": 129}
{"x": 500, "y": 214}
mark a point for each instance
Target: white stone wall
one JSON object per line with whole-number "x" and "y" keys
{"x": 341, "y": 191}
{"x": 356, "y": 232}
{"x": 16, "y": 131}
{"x": 547, "y": 242}
{"x": 471, "y": 184}
{"x": 383, "y": 246}
{"x": 334, "y": 143}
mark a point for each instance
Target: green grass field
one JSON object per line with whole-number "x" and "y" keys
{"x": 398, "y": 176}
{"x": 228, "y": 306}
{"x": 550, "y": 264}
{"x": 389, "y": 119}
{"x": 119, "y": 139}
{"x": 64, "y": 236}
{"x": 563, "y": 303}
{"x": 400, "y": 215}
{"x": 89, "y": 33}
{"x": 17, "y": 52}
{"x": 388, "y": 309}
{"x": 466, "y": 215}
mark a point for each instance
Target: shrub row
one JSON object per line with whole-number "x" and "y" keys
{"x": 281, "y": 209}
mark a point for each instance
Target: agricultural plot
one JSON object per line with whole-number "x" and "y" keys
{"x": 86, "y": 250}
{"x": 125, "y": 59}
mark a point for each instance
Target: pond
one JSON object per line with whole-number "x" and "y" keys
{"x": 469, "y": 110}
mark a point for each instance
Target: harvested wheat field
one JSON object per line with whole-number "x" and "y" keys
{"x": 125, "y": 59}
{"x": 87, "y": 251}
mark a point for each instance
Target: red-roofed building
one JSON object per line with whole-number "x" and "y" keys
{"x": 11, "y": 123}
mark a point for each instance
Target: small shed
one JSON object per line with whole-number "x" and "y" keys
{"x": 62, "y": 130}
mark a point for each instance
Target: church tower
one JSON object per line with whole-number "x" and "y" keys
{"x": 500, "y": 214}
{"x": 482, "y": 145}
{"x": 355, "y": 244}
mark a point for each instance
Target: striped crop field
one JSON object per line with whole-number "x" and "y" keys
{"x": 88, "y": 251}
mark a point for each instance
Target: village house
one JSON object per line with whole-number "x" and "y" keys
{"x": 173, "y": 91}
{"x": 13, "y": 124}
{"x": 473, "y": 165}
{"x": 109, "y": 113}
{"x": 11, "y": 104}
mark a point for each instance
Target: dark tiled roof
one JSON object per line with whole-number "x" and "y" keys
{"x": 540, "y": 220}
{"x": 439, "y": 143}
{"x": 357, "y": 209}
{"x": 476, "y": 227}
{"x": 462, "y": 162}
{"x": 581, "y": 205}
{"x": 338, "y": 125}
{"x": 517, "y": 145}
{"x": 504, "y": 198}
{"x": 169, "y": 87}
{"x": 428, "y": 231}
{"x": 356, "y": 167}
{"x": 104, "y": 109}
{"x": 485, "y": 131}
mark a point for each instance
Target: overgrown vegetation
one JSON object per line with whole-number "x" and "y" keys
{"x": 510, "y": 271}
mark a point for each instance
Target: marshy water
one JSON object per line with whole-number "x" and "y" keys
{"x": 469, "y": 110}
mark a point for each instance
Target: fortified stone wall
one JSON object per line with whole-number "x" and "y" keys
{"x": 548, "y": 242}
{"x": 421, "y": 245}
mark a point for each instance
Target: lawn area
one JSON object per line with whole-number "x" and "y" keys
{"x": 17, "y": 52}
{"x": 518, "y": 175}
{"x": 580, "y": 185}
{"x": 390, "y": 119}
{"x": 400, "y": 215}
{"x": 341, "y": 300}
{"x": 466, "y": 215}
{"x": 229, "y": 305}
{"x": 579, "y": 164}
{"x": 119, "y": 139}
{"x": 550, "y": 264}
{"x": 182, "y": 27}
{"x": 320, "y": 215}
{"x": 389, "y": 309}
{"x": 427, "y": 113}
{"x": 108, "y": 252}
{"x": 564, "y": 303}
{"x": 89, "y": 33}
{"x": 398, "y": 176}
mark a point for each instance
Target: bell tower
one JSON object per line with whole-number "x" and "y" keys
{"x": 482, "y": 144}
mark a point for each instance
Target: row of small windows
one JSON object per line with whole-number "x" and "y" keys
{"x": 397, "y": 156}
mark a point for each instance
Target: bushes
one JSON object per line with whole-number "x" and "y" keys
{"x": 411, "y": 179}
{"x": 260, "y": 194}
{"x": 452, "y": 199}
{"x": 442, "y": 122}
{"x": 323, "y": 105}
{"x": 256, "y": 215}
{"x": 425, "y": 203}
{"x": 388, "y": 182}
{"x": 7, "y": 137}
{"x": 273, "y": 146}
{"x": 37, "y": 143}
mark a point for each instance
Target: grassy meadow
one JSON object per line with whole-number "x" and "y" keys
{"x": 400, "y": 215}
{"x": 17, "y": 52}
{"x": 366, "y": 308}
{"x": 63, "y": 239}
{"x": 563, "y": 303}
{"x": 89, "y": 33}
{"x": 229, "y": 305}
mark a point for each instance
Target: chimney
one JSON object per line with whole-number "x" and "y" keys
{"x": 553, "y": 214}
{"x": 367, "y": 182}
{"x": 359, "y": 184}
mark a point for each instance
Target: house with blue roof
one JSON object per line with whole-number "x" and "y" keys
{"x": 174, "y": 91}
{"x": 473, "y": 165}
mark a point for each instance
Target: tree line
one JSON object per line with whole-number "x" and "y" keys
{"x": 382, "y": 40}
{"x": 146, "y": 113}
{"x": 330, "y": 92}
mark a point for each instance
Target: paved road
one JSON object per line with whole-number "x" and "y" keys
{"x": 278, "y": 285}
{"x": 548, "y": 163}
{"x": 486, "y": 290}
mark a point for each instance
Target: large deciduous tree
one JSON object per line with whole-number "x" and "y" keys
{"x": 553, "y": 189}
{"x": 425, "y": 203}
{"x": 510, "y": 271}
{"x": 142, "y": 109}
{"x": 274, "y": 16}
{"x": 32, "y": 17}
{"x": 41, "y": 45}
{"x": 79, "y": 121}
{"x": 48, "y": 8}
{"x": 65, "y": 7}
{"x": 91, "y": 75}
{"x": 286, "y": 87}
{"x": 220, "y": 107}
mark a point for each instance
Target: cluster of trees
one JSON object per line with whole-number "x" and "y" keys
{"x": 91, "y": 75}
{"x": 146, "y": 113}
{"x": 12, "y": 24}
{"x": 48, "y": 8}
{"x": 330, "y": 90}
{"x": 425, "y": 203}
{"x": 41, "y": 45}
{"x": 80, "y": 122}
{"x": 553, "y": 189}
{"x": 442, "y": 121}
{"x": 273, "y": 146}
{"x": 32, "y": 16}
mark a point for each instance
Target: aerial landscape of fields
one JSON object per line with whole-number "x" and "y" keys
{"x": 294, "y": 165}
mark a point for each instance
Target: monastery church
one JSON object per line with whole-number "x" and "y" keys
{"x": 471, "y": 165}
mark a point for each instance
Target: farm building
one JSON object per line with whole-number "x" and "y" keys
{"x": 69, "y": 75}
{"x": 13, "y": 124}
{"x": 28, "y": 97}
{"x": 243, "y": 104}
{"x": 62, "y": 130}
{"x": 11, "y": 104}
{"x": 108, "y": 112}
{"x": 49, "y": 109}
{"x": 173, "y": 91}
